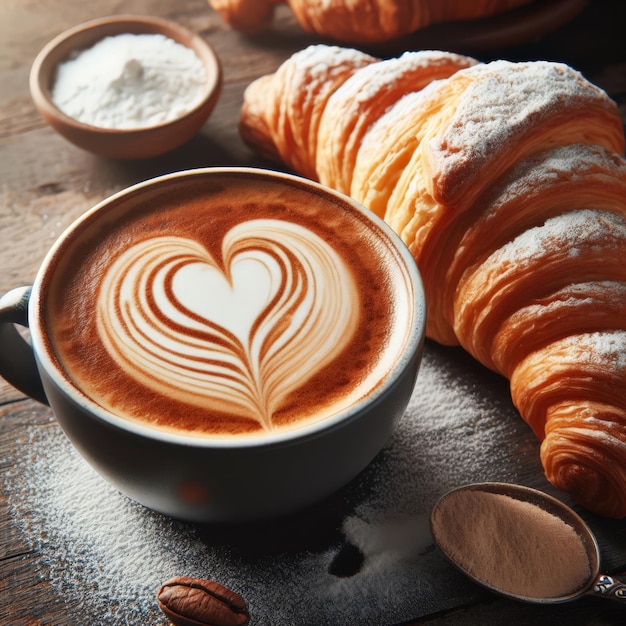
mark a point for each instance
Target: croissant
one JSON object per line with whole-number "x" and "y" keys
{"x": 505, "y": 181}
{"x": 359, "y": 21}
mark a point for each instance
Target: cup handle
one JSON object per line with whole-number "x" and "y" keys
{"x": 17, "y": 359}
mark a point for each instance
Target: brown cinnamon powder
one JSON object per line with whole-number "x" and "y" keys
{"x": 511, "y": 545}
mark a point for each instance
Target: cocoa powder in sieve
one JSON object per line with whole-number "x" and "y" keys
{"x": 511, "y": 545}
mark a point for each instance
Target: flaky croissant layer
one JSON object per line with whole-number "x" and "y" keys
{"x": 359, "y": 21}
{"x": 505, "y": 181}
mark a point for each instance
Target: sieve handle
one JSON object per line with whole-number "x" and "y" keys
{"x": 609, "y": 587}
{"x": 17, "y": 359}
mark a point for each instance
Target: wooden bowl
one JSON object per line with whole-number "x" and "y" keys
{"x": 136, "y": 143}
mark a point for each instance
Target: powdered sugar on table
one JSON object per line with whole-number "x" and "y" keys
{"x": 365, "y": 556}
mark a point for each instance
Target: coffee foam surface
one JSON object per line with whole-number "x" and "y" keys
{"x": 228, "y": 311}
{"x": 241, "y": 337}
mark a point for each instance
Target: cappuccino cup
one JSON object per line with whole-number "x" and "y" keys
{"x": 222, "y": 344}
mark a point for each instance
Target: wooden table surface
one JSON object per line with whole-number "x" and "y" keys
{"x": 45, "y": 183}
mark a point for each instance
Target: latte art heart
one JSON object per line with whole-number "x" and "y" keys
{"x": 237, "y": 333}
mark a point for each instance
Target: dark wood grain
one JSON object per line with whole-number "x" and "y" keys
{"x": 45, "y": 183}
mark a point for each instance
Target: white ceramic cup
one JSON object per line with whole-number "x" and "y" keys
{"x": 203, "y": 478}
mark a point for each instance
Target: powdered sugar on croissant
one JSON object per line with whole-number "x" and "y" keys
{"x": 506, "y": 182}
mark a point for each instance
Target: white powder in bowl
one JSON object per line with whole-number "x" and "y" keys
{"x": 130, "y": 81}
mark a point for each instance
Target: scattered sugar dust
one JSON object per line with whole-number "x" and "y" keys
{"x": 109, "y": 555}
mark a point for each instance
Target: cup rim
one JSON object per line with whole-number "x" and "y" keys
{"x": 411, "y": 348}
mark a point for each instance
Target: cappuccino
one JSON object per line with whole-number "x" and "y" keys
{"x": 228, "y": 307}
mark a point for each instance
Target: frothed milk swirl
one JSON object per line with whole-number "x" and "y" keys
{"x": 231, "y": 310}
{"x": 239, "y": 337}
